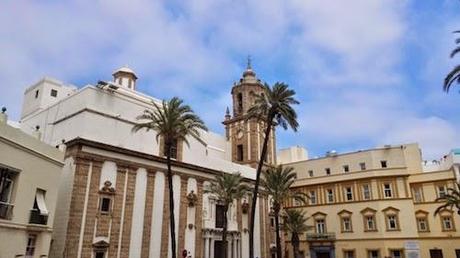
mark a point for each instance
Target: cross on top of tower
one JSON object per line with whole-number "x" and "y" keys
{"x": 249, "y": 63}
{"x": 249, "y": 74}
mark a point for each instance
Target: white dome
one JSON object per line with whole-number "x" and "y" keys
{"x": 125, "y": 69}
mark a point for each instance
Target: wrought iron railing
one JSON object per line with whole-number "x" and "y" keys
{"x": 6, "y": 210}
{"x": 320, "y": 236}
{"x": 37, "y": 218}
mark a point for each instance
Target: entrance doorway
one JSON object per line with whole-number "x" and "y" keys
{"x": 218, "y": 248}
{"x": 322, "y": 255}
{"x": 435, "y": 253}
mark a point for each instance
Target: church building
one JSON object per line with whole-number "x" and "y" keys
{"x": 112, "y": 199}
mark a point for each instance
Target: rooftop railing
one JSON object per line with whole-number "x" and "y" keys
{"x": 37, "y": 218}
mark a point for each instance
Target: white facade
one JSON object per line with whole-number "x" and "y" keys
{"x": 44, "y": 93}
{"x": 107, "y": 116}
{"x": 106, "y": 113}
{"x": 291, "y": 154}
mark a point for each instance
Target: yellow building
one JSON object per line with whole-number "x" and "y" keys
{"x": 377, "y": 203}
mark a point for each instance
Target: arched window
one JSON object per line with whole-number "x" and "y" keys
{"x": 240, "y": 102}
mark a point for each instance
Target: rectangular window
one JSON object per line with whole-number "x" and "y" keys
{"x": 366, "y": 192}
{"x": 312, "y": 197}
{"x": 328, "y": 171}
{"x": 104, "y": 205}
{"x": 373, "y": 254}
{"x": 362, "y": 165}
{"x": 387, "y": 190}
{"x": 436, "y": 253}
{"x": 396, "y": 253}
{"x": 441, "y": 191}
{"x": 6, "y": 191}
{"x": 422, "y": 224}
{"x": 457, "y": 253}
{"x": 30, "y": 248}
{"x": 383, "y": 163}
{"x": 346, "y": 168}
{"x": 36, "y": 93}
{"x": 6, "y": 185}
{"x": 320, "y": 226}
{"x": 272, "y": 222}
{"x": 39, "y": 211}
{"x": 219, "y": 216}
{"x": 53, "y": 93}
{"x": 346, "y": 222}
{"x": 310, "y": 173}
{"x": 239, "y": 154}
{"x": 349, "y": 254}
{"x": 173, "y": 149}
{"x": 447, "y": 223}
{"x": 330, "y": 196}
{"x": 370, "y": 223}
{"x": 392, "y": 222}
{"x": 418, "y": 197}
{"x": 349, "y": 193}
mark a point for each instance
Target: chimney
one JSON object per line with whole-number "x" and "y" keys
{"x": 37, "y": 134}
{"x": 3, "y": 116}
{"x": 62, "y": 147}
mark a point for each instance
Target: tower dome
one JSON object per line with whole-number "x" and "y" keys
{"x": 249, "y": 76}
{"x": 125, "y": 77}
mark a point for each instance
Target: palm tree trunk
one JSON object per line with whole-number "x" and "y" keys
{"x": 224, "y": 233}
{"x": 256, "y": 187}
{"x": 295, "y": 245}
{"x": 172, "y": 227}
{"x": 277, "y": 228}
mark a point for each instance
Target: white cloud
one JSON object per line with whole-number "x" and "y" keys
{"x": 344, "y": 58}
{"x": 435, "y": 136}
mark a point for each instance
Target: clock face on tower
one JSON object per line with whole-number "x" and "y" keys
{"x": 239, "y": 134}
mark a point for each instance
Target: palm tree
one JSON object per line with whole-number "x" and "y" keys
{"x": 450, "y": 199}
{"x": 454, "y": 74}
{"x": 277, "y": 185}
{"x": 173, "y": 121}
{"x": 295, "y": 223}
{"x": 273, "y": 107}
{"x": 226, "y": 188}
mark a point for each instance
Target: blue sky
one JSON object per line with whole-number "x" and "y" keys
{"x": 367, "y": 72}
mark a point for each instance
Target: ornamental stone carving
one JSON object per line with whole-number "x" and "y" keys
{"x": 192, "y": 199}
{"x": 245, "y": 207}
{"x": 107, "y": 188}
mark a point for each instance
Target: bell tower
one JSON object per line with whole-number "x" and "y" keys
{"x": 247, "y": 136}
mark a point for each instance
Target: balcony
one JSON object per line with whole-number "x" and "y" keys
{"x": 6, "y": 210}
{"x": 37, "y": 218}
{"x": 320, "y": 236}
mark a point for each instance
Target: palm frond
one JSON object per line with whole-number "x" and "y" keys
{"x": 277, "y": 183}
{"x": 454, "y": 52}
{"x": 452, "y": 77}
{"x": 275, "y": 106}
{"x": 295, "y": 221}
{"x": 228, "y": 187}
{"x": 172, "y": 120}
{"x": 450, "y": 200}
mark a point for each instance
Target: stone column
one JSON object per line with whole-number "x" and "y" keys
{"x": 206, "y": 247}
{"x": 211, "y": 253}
{"x": 229, "y": 246}
{"x": 235, "y": 247}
